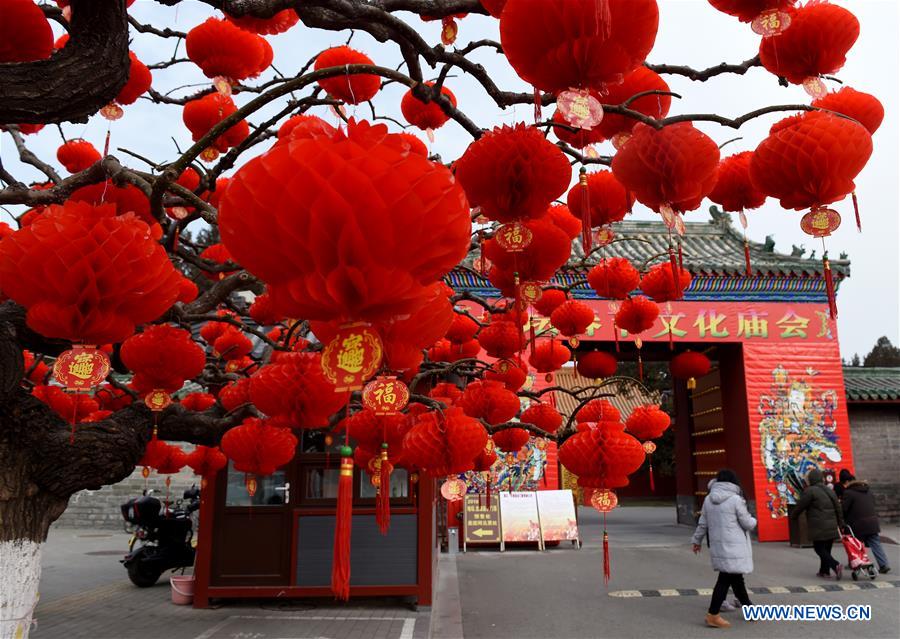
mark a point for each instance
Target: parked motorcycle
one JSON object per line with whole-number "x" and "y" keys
{"x": 165, "y": 536}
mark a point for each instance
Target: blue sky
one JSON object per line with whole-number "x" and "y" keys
{"x": 691, "y": 33}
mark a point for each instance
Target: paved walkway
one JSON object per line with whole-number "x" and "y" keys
{"x": 85, "y": 594}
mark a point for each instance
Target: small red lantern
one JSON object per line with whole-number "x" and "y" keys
{"x": 596, "y": 365}
{"x": 637, "y": 314}
{"x": 352, "y": 356}
{"x": 862, "y": 107}
{"x": 501, "y": 339}
{"x": 385, "y": 395}
{"x": 690, "y": 365}
{"x": 613, "y": 278}
{"x": 598, "y": 410}
{"x": 550, "y": 300}
{"x": 548, "y": 356}
{"x": 511, "y": 440}
{"x": 352, "y": 89}
{"x": 543, "y": 416}
{"x": 426, "y": 116}
{"x": 647, "y": 422}
{"x": 572, "y": 318}
{"x": 659, "y": 282}
{"x": 490, "y": 401}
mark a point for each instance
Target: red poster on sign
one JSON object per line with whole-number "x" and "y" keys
{"x": 798, "y": 421}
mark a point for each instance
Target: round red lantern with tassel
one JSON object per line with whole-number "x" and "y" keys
{"x": 562, "y": 217}
{"x": 670, "y": 169}
{"x": 655, "y": 105}
{"x": 87, "y": 275}
{"x": 542, "y": 415}
{"x": 501, "y": 339}
{"x": 688, "y": 366}
{"x": 636, "y": 314}
{"x": 550, "y": 300}
{"x": 206, "y": 461}
{"x": 585, "y": 44}
{"x": 398, "y": 222}
{"x": 77, "y": 155}
{"x": 512, "y": 373}
{"x": 659, "y": 283}
{"x": 596, "y": 365}
{"x": 647, "y": 422}
{"x": 815, "y": 43}
{"x": 258, "y": 448}
{"x": 862, "y": 107}
{"x": 462, "y": 329}
{"x": 221, "y": 49}
{"x": 513, "y": 173}
{"x": 613, "y": 278}
{"x": 352, "y": 89}
{"x": 202, "y": 114}
{"x": 296, "y": 387}
{"x": 444, "y": 444}
{"x": 548, "y": 356}
{"x": 734, "y": 190}
{"x": 598, "y": 410}
{"x": 490, "y": 401}
{"x": 426, "y": 116}
{"x": 511, "y": 440}
{"x": 603, "y": 199}
{"x": 572, "y": 318}
{"x": 162, "y": 358}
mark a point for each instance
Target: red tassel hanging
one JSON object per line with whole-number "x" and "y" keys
{"x": 616, "y": 335}
{"x": 606, "y": 566}
{"x": 652, "y": 486}
{"x": 640, "y": 362}
{"x": 676, "y": 273}
{"x": 537, "y": 104}
{"x": 340, "y": 566}
{"x": 747, "y": 256}
{"x": 533, "y": 335}
{"x": 586, "y": 239}
{"x": 383, "y": 496}
{"x": 856, "y": 211}
{"x": 488, "y": 489}
{"x": 829, "y": 288}
{"x": 680, "y": 256}
{"x": 482, "y": 268}
{"x": 604, "y": 15}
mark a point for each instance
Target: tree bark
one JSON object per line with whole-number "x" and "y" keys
{"x": 79, "y": 79}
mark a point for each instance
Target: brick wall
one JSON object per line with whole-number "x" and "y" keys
{"x": 100, "y": 508}
{"x": 875, "y": 431}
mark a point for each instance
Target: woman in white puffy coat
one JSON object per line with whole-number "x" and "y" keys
{"x": 728, "y": 523}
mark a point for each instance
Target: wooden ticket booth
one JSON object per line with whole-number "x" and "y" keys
{"x": 279, "y": 542}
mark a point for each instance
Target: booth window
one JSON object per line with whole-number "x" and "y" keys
{"x": 320, "y": 483}
{"x": 399, "y": 485}
{"x": 269, "y": 489}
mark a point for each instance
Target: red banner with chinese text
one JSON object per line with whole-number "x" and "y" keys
{"x": 798, "y": 421}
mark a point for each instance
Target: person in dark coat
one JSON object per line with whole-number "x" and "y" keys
{"x": 824, "y": 521}
{"x": 858, "y": 507}
{"x": 844, "y": 478}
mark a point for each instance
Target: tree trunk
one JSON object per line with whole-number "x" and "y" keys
{"x": 26, "y": 513}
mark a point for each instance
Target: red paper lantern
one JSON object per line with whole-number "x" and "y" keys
{"x": 549, "y": 249}
{"x": 512, "y": 373}
{"x": 258, "y": 448}
{"x": 501, "y": 339}
{"x": 71, "y": 407}
{"x": 543, "y": 416}
{"x": 219, "y": 254}
{"x": 659, "y": 283}
{"x": 606, "y": 199}
{"x": 352, "y": 89}
{"x": 549, "y": 355}
{"x": 602, "y": 457}
{"x": 125, "y": 199}
{"x": 596, "y": 365}
{"x": 222, "y": 49}
{"x": 170, "y": 460}
{"x": 490, "y": 401}
{"x": 415, "y": 144}
{"x": 397, "y": 223}
{"x": 583, "y": 43}
{"x": 551, "y": 298}
{"x": 206, "y": 461}
{"x": 77, "y": 155}
{"x": 198, "y": 401}
{"x": 598, "y": 410}
{"x": 734, "y": 190}
{"x": 204, "y": 113}
{"x": 446, "y": 391}
{"x": 811, "y": 159}
{"x": 139, "y": 81}
{"x": 562, "y": 217}
{"x": 25, "y": 33}
{"x": 511, "y": 440}
{"x": 638, "y": 81}
{"x": 162, "y": 357}
{"x": 816, "y": 42}
{"x": 462, "y": 329}
{"x": 425, "y": 116}
{"x": 263, "y": 312}
{"x": 613, "y": 278}
{"x": 748, "y": 10}
{"x": 235, "y": 394}
{"x": 647, "y": 422}
{"x": 688, "y": 366}
{"x": 232, "y": 344}
{"x": 444, "y": 351}
{"x": 572, "y": 318}
{"x": 671, "y": 167}
{"x": 636, "y": 314}
{"x": 862, "y": 107}
{"x": 86, "y": 275}
{"x": 278, "y": 23}
{"x": 444, "y": 444}
{"x": 296, "y": 388}
{"x": 513, "y": 173}
{"x": 370, "y": 431}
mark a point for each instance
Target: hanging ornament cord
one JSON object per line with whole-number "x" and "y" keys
{"x": 650, "y": 460}
{"x": 383, "y": 494}
{"x": 537, "y": 105}
{"x": 488, "y": 486}
{"x": 606, "y": 566}
{"x": 676, "y": 275}
{"x": 586, "y": 239}
{"x": 829, "y": 285}
{"x": 856, "y": 211}
{"x": 74, "y": 418}
{"x": 340, "y": 567}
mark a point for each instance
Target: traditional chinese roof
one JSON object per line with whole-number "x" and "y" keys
{"x": 712, "y": 251}
{"x": 629, "y": 397}
{"x": 872, "y": 385}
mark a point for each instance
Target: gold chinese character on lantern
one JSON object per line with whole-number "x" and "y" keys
{"x": 649, "y": 447}
{"x": 514, "y": 237}
{"x": 820, "y": 222}
{"x": 385, "y": 395}
{"x": 352, "y": 356}
{"x": 81, "y": 368}
{"x": 157, "y": 399}
{"x": 604, "y": 500}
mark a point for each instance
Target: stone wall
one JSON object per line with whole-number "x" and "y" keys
{"x": 101, "y": 508}
{"x": 875, "y": 431}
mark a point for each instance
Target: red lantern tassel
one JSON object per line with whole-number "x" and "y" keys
{"x": 340, "y": 566}
{"x": 652, "y": 485}
{"x": 829, "y": 288}
{"x": 488, "y": 490}
{"x": 606, "y": 566}
{"x": 676, "y": 277}
{"x": 586, "y": 239}
{"x": 640, "y": 363}
{"x": 481, "y": 264}
{"x": 604, "y": 15}
{"x": 747, "y": 256}
{"x": 383, "y": 498}
{"x": 856, "y": 211}
{"x": 616, "y": 335}
{"x": 537, "y": 104}
{"x": 533, "y": 335}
